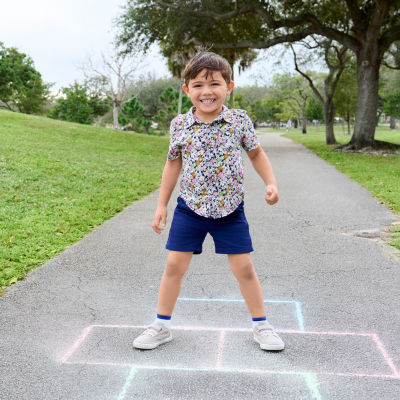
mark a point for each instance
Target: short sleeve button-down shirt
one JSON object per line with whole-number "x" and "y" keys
{"x": 212, "y": 167}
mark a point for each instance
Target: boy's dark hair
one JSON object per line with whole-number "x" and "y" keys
{"x": 210, "y": 62}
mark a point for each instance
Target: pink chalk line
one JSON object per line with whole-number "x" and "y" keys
{"x": 220, "y": 348}
{"x": 232, "y": 370}
{"x": 373, "y": 336}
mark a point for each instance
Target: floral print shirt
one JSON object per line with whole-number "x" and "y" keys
{"x": 212, "y": 167}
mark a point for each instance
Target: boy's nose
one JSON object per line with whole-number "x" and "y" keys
{"x": 206, "y": 90}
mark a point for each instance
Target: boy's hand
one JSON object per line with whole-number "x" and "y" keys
{"x": 271, "y": 195}
{"x": 159, "y": 216}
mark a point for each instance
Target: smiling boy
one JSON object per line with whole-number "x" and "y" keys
{"x": 205, "y": 145}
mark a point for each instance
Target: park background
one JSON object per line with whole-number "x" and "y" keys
{"x": 84, "y": 117}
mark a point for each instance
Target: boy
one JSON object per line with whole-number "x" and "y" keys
{"x": 206, "y": 145}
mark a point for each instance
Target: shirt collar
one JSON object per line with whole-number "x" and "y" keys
{"x": 191, "y": 119}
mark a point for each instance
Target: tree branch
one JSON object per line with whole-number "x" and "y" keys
{"x": 255, "y": 44}
{"x": 315, "y": 26}
{"x": 391, "y": 66}
{"x": 389, "y": 37}
{"x": 314, "y": 89}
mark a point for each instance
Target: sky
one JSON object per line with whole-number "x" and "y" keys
{"x": 60, "y": 35}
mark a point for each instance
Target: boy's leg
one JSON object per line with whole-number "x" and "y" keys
{"x": 176, "y": 267}
{"x": 264, "y": 333}
{"x": 243, "y": 269}
{"x": 158, "y": 332}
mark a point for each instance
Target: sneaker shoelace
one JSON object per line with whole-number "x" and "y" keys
{"x": 151, "y": 331}
{"x": 267, "y": 331}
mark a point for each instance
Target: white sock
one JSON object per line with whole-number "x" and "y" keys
{"x": 255, "y": 323}
{"x": 165, "y": 322}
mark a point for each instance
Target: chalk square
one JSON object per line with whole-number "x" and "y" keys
{"x": 309, "y": 352}
{"x": 200, "y": 385}
{"x": 113, "y": 346}
{"x": 233, "y": 314}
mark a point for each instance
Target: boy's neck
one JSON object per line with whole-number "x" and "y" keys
{"x": 207, "y": 117}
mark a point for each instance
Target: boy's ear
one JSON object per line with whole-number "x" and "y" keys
{"x": 185, "y": 88}
{"x": 230, "y": 85}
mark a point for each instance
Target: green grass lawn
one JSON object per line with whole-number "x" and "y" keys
{"x": 60, "y": 180}
{"x": 380, "y": 175}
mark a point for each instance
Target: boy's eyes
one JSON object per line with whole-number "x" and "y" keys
{"x": 213, "y": 84}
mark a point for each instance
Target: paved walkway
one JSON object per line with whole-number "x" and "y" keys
{"x": 66, "y": 331}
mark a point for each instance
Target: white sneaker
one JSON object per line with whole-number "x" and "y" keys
{"x": 264, "y": 334}
{"x": 153, "y": 336}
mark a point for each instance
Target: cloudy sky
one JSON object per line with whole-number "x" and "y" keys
{"x": 59, "y": 35}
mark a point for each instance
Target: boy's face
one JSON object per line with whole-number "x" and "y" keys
{"x": 208, "y": 94}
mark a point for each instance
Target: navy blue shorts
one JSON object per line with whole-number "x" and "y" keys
{"x": 188, "y": 230}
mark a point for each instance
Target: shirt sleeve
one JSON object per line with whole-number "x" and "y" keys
{"x": 175, "y": 147}
{"x": 249, "y": 138}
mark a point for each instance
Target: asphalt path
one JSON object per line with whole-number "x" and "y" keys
{"x": 66, "y": 330}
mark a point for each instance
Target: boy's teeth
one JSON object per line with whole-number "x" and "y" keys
{"x": 207, "y": 101}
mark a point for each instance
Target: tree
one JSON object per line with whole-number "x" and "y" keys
{"x": 368, "y": 28}
{"x": 295, "y": 92}
{"x": 80, "y": 104}
{"x": 345, "y": 97}
{"x": 267, "y": 109}
{"x": 170, "y": 98}
{"x": 132, "y": 113}
{"x": 314, "y": 110}
{"x": 392, "y": 106}
{"x": 114, "y": 74}
{"x": 335, "y": 58}
{"x": 74, "y": 105}
{"x": 391, "y": 84}
{"x": 148, "y": 90}
{"x": 21, "y": 85}
{"x": 142, "y": 24}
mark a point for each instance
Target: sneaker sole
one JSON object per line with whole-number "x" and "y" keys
{"x": 150, "y": 346}
{"x": 273, "y": 347}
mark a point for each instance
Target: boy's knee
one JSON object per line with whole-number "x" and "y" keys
{"x": 175, "y": 268}
{"x": 245, "y": 272}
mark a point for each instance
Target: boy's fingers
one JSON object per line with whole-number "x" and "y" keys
{"x": 156, "y": 222}
{"x": 159, "y": 223}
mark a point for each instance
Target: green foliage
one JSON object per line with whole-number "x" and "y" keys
{"x": 345, "y": 97}
{"x": 266, "y": 109}
{"x": 240, "y": 101}
{"x": 148, "y": 91}
{"x": 131, "y": 113}
{"x": 144, "y": 22}
{"x": 169, "y": 98}
{"x": 21, "y": 85}
{"x": 241, "y": 25}
{"x": 78, "y": 105}
{"x": 392, "y": 103}
{"x": 314, "y": 110}
{"x": 390, "y": 91}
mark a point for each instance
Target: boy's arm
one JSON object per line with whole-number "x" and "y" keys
{"x": 169, "y": 179}
{"x": 263, "y": 167}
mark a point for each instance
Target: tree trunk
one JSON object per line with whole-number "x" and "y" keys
{"x": 329, "y": 115}
{"x": 116, "y": 107}
{"x": 180, "y": 100}
{"x": 303, "y": 120}
{"x": 296, "y": 123}
{"x": 368, "y": 63}
{"x": 392, "y": 122}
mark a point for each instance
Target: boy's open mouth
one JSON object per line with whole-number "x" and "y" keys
{"x": 207, "y": 101}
